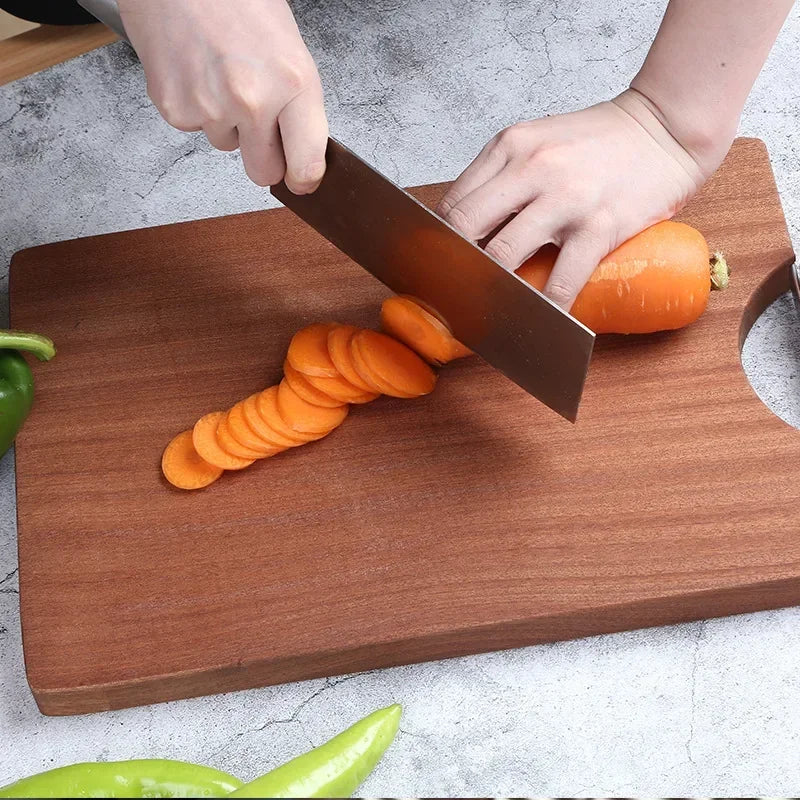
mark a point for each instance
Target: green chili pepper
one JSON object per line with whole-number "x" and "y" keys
{"x": 138, "y": 778}
{"x": 16, "y": 380}
{"x": 334, "y": 769}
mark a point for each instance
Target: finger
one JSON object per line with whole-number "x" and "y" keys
{"x": 493, "y": 202}
{"x": 174, "y": 108}
{"x": 536, "y": 225}
{"x": 575, "y": 264}
{"x": 221, "y": 135}
{"x": 488, "y": 163}
{"x": 304, "y": 134}
{"x": 262, "y": 152}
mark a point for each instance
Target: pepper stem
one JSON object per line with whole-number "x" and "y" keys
{"x": 42, "y": 347}
{"x": 720, "y": 272}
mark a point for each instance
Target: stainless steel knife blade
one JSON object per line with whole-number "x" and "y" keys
{"x": 413, "y": 251}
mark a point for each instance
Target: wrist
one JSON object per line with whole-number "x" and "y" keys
{"x": 703, "y": 133}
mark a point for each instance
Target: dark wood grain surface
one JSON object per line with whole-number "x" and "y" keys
{"x": 471, "y": 520}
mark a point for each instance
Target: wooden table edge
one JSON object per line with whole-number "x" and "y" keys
{"x": 48, "y": 45}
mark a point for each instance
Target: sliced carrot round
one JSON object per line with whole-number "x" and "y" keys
{"x": 183, "y": 467}
{"x": 363, "y": 369}
{"x": 307, "y": 391}
{"x": 204, "y": 438}
{"x": 408, "y": 321}
{"x": 259, "y": 425}
{"x": 341, "y": 389}
{"x": 339, "y": 351}
{"x": 308, "y": 351}
{"x": 267, "y": 404}
{"x": 230, "y": 445}
{"x": 364, "y": 372}
{"x": 305, "y": 417}
{"x": 462, "y": 350}
{"x": 245, "y": 435}
{"x": 392, "y": 365}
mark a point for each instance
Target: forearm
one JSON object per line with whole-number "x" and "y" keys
{"x": 702, "y": 66}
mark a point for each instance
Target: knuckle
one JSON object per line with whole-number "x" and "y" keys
{"x": 207, "y": 108}
{"x": 175, "y": 112}
{"x": 245, "y": 91}
{"x": 181, "y": 120}
{"x": 446, "y": 205}
{"x": 226, "y": 144}
{"x": 561, "y": 291}
{"x": 296, "y": 75}
{"x": 462, "y": 217}
{"x": 598, "y": 222}
{"x": 503, "y": 250}
{"x": 257, "y": 178}
{"x": 530, "y": 167}
{"x": 510, "y": 139}
{"x": 263, "y": 175}
{"x": 550, "y": 162}
{"x": 306, "y": 178}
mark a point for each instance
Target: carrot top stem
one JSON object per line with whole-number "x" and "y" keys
{"x": 720, "y": 272}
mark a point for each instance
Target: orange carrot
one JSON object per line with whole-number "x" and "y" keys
{"x": 260, "y": 427}
{"x": 239, "y": 429}
{"x": 392, "y": 366}
{"x": 308, "y": 351}
{"x": 341, "y": 389}
{"x": 204, "y": 437}
{"x": 229, "y": 444}
{"x": 305, "y": 417}
{"x": 364, "y": 372}
{"x": 339, "y": 350}
{"x": 658, "y": 280}
{"x": 409, "y": 321}
{"x": 267, "y": 405}
{"x": 460, "y": 350}
{"x": 183, "y": 467}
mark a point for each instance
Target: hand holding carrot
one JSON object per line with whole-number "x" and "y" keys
{"x": 589, "y": 180}
{"x": 585, "y": 181}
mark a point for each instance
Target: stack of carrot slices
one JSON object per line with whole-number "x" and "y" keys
{"x": 328, "y": 368}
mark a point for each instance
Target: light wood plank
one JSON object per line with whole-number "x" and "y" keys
{"x": 47, "y": 45}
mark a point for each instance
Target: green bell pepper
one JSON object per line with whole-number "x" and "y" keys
{"x": 137, "y": 778}
{"x": 16, "y": 380}
{"x": 334, "y": 769}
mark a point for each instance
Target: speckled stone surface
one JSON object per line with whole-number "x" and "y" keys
{"x": 419, "y": 86}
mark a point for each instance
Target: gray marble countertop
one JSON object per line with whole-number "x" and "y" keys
{"x": 709, "y": 708}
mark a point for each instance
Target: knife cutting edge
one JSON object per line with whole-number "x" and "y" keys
{"x": 413, "y": 251}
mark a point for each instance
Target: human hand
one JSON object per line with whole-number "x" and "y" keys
{"x": 584, "y": 181}
{"x": 241, "y": 72}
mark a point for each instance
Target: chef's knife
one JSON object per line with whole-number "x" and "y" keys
{"x": 413, "y": 251}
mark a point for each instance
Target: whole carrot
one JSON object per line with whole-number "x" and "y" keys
{"x": 658, "y": 280}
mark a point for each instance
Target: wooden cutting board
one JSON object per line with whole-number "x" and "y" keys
{"x": 472, "y": 520}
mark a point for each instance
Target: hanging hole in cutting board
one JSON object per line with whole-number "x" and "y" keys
{"x": 769, "y": 339}
{"x": 771, "y": 359}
